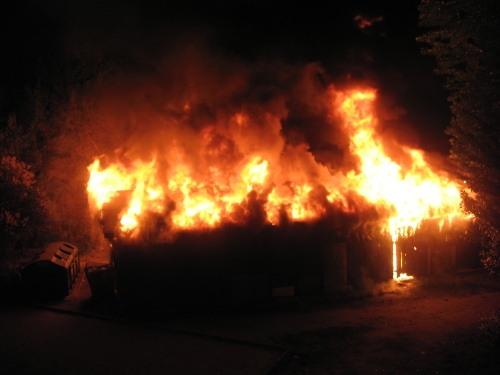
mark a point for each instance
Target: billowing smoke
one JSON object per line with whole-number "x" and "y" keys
{"x": 206, "y": 119}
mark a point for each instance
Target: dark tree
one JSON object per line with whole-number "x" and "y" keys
{"x": 71, "y": 134}
{"x": 464, "y": 37}
{"x": 22, "y": 205}
{"x": 49, "y": 129}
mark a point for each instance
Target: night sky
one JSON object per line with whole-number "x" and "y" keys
{"x": 384, "y": 54}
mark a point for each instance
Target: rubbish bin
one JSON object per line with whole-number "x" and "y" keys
{"x": 101, "y": 277}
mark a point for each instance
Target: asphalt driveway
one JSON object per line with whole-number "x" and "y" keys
{"x": 38, "y": 341}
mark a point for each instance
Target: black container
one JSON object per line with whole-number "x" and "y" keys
{"x": 101, "y": 278}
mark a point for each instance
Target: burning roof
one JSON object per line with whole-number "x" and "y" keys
{"x": 255, "y": 162}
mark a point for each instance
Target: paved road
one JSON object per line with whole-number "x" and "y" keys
{"x": 37, "y": 341}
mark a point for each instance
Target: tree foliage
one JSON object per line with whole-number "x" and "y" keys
{"x": 71, "y": 134}
{"x": 464, "y": 37}
{"x": 22, "y": 205}
{"x": 44, "y": 156}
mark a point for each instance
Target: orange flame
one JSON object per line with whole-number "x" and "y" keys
{"x": 282, "y": 182}
{"x": 364, "y": 22}
{"x": 411, "y": 195}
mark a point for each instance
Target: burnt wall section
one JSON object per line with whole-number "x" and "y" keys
{"x": 235, "y": 265}
{"x": 433, "y": 249}
{"x": 369, "y": 259}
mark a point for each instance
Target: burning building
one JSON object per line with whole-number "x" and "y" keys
{"x": 227, "y": 201}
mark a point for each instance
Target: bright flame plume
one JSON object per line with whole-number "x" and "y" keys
{"x": 268, "y": 186}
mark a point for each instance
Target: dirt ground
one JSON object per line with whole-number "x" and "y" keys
{"x": 420, "y": 326}
{"x": 428, "y": 326}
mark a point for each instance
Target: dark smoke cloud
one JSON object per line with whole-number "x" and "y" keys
{"x": 219, "y": 81}
{"x": 192, "y": 106}
{"x": 147, "y": 32}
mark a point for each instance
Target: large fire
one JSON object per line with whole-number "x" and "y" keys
{"x": 268, "y": 186}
